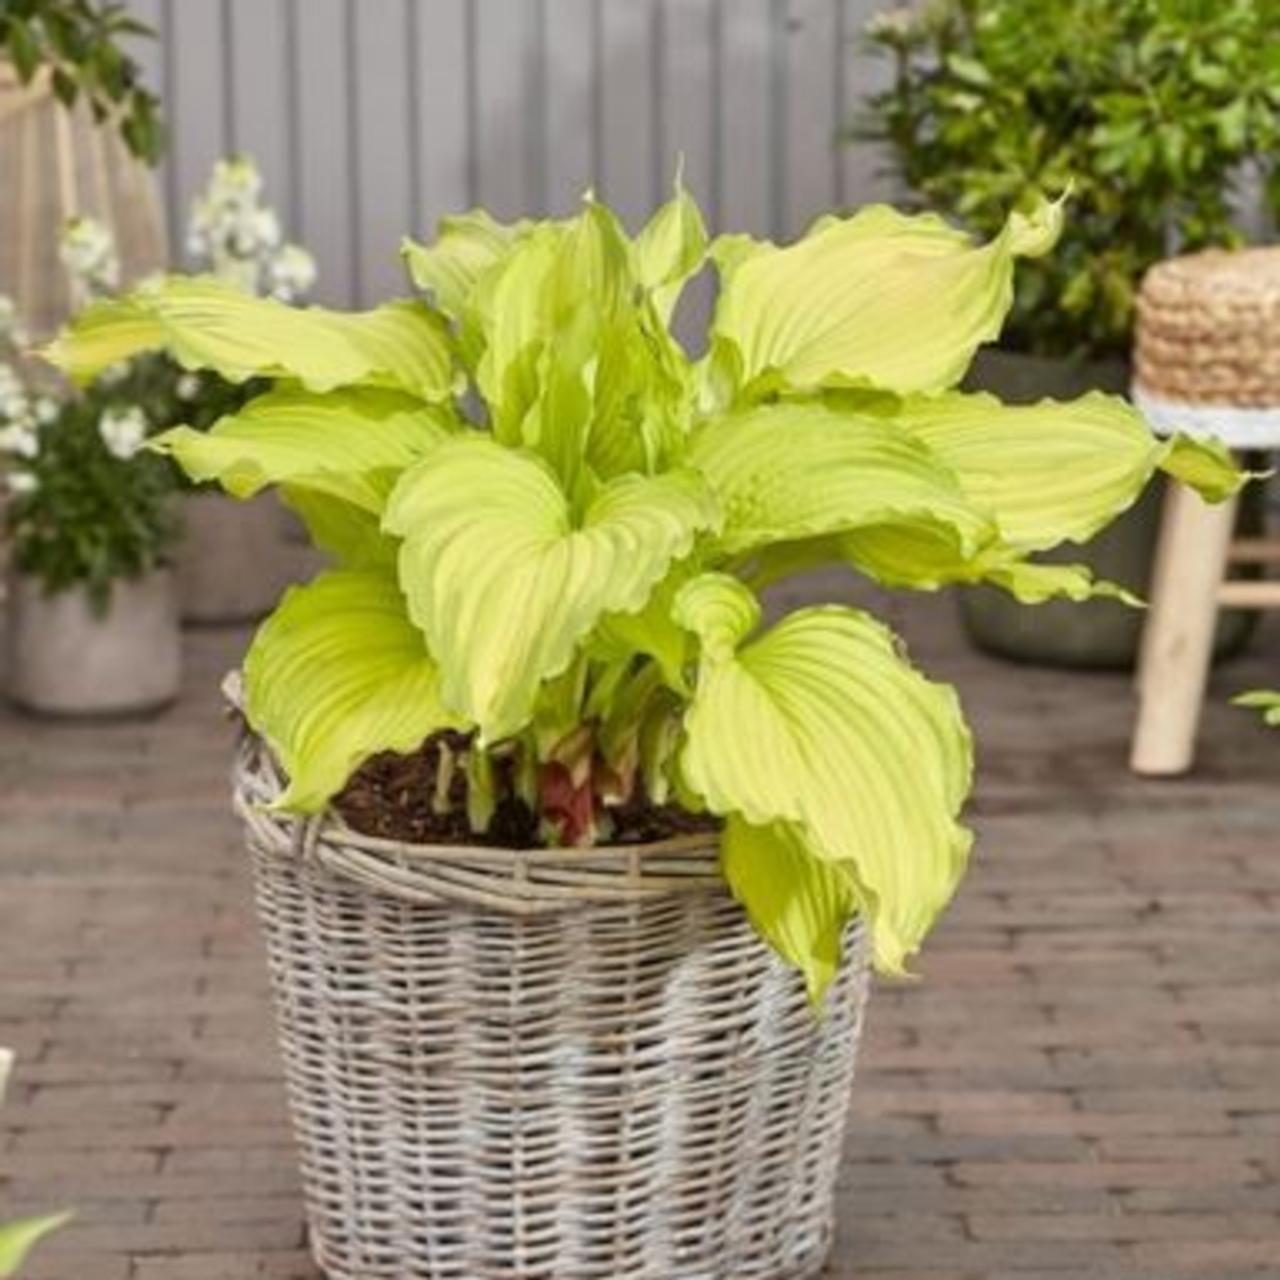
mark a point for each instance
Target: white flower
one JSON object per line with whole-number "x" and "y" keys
{"x": 290, "y": 273}
{"x": 88, "y": 251}
{"x": 235, "y": 180}
{"x": 123, "y": 431}
{"x": 46, "y": 410}
{"x": 114, "y": 374}
{"x": 237, "y": 237}
{"x": 21, "y": 482}
{"x": 188, "y": 386}
{"x": 20, "y": 439}
{"x": 892, "y": 24}
{"x": 266, "y": 229}
{"x": 11, "y": 331}
{"x": 14, "y": 403}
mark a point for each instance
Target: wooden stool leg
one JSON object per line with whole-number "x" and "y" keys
{"x": 1177, "y": 641}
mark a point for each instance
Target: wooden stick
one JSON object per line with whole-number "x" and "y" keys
{"x": 1255, "y": 551}
{"x": 1249, "y": 595}
{"x": 1178, "y": 636}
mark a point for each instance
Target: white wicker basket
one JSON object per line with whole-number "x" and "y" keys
{"x": 545, "y": 1065}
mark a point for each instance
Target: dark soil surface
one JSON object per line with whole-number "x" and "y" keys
{"x": 393, "y": 796}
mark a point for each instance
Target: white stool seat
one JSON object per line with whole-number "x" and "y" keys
{"x": 1237, "y": 428}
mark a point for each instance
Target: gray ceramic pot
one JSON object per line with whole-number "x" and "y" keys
{"x": 230, "y": 560}
{"x": 64, "y": 659}
{"x": 1097, "y": 633}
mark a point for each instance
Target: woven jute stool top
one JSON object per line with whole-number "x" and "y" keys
{"x": 1208, "y": 329}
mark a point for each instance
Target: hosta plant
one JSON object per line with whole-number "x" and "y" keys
{"x": 552, "y": 525}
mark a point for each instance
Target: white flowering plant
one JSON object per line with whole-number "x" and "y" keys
{"x": 238, "y": 238}
{"x": 87, "y": 505}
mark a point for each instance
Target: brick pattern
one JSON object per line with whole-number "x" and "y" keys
{"x": 1085, "y": 1083}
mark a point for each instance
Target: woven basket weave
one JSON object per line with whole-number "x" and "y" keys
{"x": 1209, "y": 329}
{"x": 548, "y": 1064}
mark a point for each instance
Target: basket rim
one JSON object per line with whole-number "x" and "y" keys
{"x": 515, "y": 881}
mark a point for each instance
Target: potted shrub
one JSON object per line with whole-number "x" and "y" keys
{"x": 570, "y": 868}
{"x": 1151, "y": 111}
{"x": 91, "y": 620}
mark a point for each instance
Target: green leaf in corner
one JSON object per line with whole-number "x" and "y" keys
{"x": 205, "y": 323}
{"x": 17, "y": 1239}
{"x": 351, "y": 444}
{"x": 336, "y": 674}
{"x": 506, "y": 579}
{"x": 878, "y": 300}
{"x": 797, "y": 901}
{"x": 821, "y": 723}
{"x": 1265, "y": 700}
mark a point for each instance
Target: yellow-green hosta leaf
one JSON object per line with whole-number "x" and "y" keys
{"x": 465, "y": 246}
{"x": 879, "y": 300}
{"x": 579, "y": 300}
{"x": 1030, "y": 582}
{"x": 919, "y": 560}
{"x": 642, "y": 396}
{"x": 17, "y": 1239}
{"x": 798, "y": 902}
{"x": 1059, "y": 470}
{"x": 720, "y": 611}
{"x": 790, "y": 471}
{"x": 671, "y": 248}
{"x": 1265, "y": 700}
{"x": 336, "y": 674}
{"x": 511, "y": 330}
{"x": 504, "y": 578}
{"x": 651, "y": 630}
{"x": 820, "y": 722}
{"x": 1205, "y": 466}
{"x": 351, "y": 444}
{"x": 206, "y": 323}
{"x": 352, "y": 535}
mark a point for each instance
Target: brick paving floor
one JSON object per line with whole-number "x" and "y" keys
{"x": 1085, "y": 1083}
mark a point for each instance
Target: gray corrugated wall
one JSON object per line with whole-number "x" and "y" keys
{"x": 374, "y": 117}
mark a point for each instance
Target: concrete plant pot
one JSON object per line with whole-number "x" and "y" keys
{"x": 66, "y": 660}
{"x": 230, "y": 560}
{"x": 1095, "y": 633}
